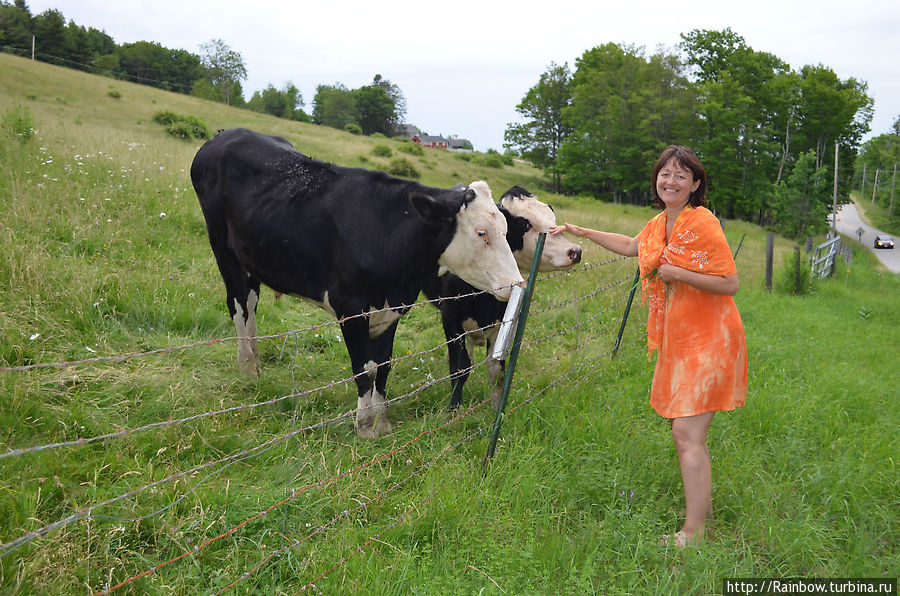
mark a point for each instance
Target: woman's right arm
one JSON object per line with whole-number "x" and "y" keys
{"x": 618, "y": 243}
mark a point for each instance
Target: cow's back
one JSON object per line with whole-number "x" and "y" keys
{"x": 305, "y": 227}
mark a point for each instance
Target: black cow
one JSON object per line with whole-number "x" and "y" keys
{"x": 351, "y": 240}
{"x": 476, "y": 318}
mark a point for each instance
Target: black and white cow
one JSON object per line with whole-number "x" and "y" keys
{"x": 477, "y": 318}
{"x": 350, "y": 240}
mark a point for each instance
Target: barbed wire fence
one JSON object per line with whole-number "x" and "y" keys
{"x": 597, "y": 315}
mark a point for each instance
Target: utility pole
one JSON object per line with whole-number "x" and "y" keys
{"x": 32, "y": 48}
{"x": 875, "y": 186}
{"x": 893, "y": 182}
{"x": 834, "y": 200}
{"x": 862, "y": 190}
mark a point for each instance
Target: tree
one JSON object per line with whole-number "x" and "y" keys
{"x": 623, "y": 110}
{"x": 15, "y": 25}
{"x": 804, "y": 200}
{"x": 334, "y": 106}
{"x": 152, "y": 64}
{"x": 223, "y": 67}
{"x": 831, "y": 111}
{"x": 539, "y": 138}
{"x": 50, "y": 35}
{"x": 879, "y": 153}
{"x": 375, "y": 110}
{"x": 393, "y": 91}
{"x": 747, "y": 106}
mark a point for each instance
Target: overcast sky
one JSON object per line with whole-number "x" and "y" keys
{"x": 463, "y": 66}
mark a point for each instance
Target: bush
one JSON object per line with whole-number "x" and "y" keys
{"x": 492, "y": 161}
{"x": 403, "y": 168}
{"x": 182, "y": 127}
{"x": 18, "y": 122}
{"x": 114, "y": 93}
{"x": 382, "y": 151}
{"x": 411, "y": 148}
{"x": 353, "y": 128}
{"x": 377, "y": 135}
{"x": 795, "y": 276}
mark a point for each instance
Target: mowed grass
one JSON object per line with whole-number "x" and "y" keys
{"x": 104, "y": 253}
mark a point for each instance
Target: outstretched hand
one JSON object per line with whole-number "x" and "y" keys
{"x": 567, "y": 227}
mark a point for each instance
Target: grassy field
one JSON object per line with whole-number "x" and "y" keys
{"x": 217, "y": 483}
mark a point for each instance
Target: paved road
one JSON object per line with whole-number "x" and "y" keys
{"x": 848, "y": 224}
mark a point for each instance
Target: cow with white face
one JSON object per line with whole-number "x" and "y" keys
{"x": 351, "y": 240}
{"x": 475, "y": 319}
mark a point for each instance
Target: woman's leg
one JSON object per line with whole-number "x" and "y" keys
{"x": 689, "y": 434}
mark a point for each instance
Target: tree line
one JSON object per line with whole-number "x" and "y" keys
{"x": 215, "y": 74}
{"x": 765, "y": 132}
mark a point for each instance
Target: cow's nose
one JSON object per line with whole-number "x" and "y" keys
{"x": 575, "y": 254}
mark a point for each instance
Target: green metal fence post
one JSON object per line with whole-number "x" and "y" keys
{"x": 514, "y": 352}
{"x": 637, "y": 279}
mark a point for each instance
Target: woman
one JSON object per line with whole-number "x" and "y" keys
{"x": 689, "y": 280}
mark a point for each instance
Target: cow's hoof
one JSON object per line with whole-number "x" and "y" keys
{"x": 372, "y": 427}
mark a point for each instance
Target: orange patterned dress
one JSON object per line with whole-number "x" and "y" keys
{"x": 702, "y": 361}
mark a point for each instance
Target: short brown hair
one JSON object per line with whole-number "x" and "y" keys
{"x": 687, "y": 159}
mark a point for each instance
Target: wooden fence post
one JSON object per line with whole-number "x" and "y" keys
{"x": 770, "y": 251}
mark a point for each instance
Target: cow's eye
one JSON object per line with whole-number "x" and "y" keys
{"x": 528, "y": 226}
{"x": 483, "y": 234}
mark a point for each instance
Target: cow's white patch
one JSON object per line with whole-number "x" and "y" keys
{"x": 478, "y": 252}
{"x": 324, "y": 304}
{"x": 380, "y": 321}
{"x": 479, "y": 336}
{"x": 372, "y": 416}
{"x": 558, "y": 252}
{"x": 245, "y": 329}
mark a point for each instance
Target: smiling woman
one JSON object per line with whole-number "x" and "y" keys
{"x": 689, "y": 280}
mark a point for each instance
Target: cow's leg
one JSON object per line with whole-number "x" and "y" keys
{"x": 382, "y": 352}
{"x": 457, "y": 353}
{"x": 458, "y": 358}
{"x": 242, "y": 305}
{"x": 371, "y": 411}
{"x": 242, "y": 296}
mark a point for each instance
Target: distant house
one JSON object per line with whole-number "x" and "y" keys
{"x": 459, "y": 145}
{"x": 436, "y": 142}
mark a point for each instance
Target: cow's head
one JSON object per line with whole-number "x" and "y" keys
{"x": 477, "y": 250}
{"x": 559, "y": 252}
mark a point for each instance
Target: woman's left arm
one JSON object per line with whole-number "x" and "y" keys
{"x": 712, "y": 284}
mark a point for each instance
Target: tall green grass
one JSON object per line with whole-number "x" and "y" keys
{"x": 103, "y": 251}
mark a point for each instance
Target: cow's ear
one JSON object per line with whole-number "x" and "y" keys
{"x": 469, "y": 196}
{"x": 434, "y": 211}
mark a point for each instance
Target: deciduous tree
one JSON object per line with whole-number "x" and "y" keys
{"x": 540, "y": 136}
{"x": 223, "y": 67}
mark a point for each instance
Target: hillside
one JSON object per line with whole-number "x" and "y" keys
{"x": 154, "y": 467}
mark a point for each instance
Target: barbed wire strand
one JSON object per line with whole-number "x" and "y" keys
{"x": 213, "y": 413}
{"x": 62, "y": 364}
{"x": 17, "y": 452}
